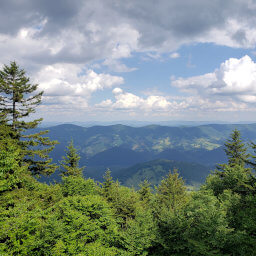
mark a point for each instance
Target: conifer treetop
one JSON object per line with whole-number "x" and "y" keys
{"x": 18, "y": 99}
{"x": 70, "y": 162}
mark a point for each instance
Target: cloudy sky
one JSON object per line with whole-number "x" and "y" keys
{"x": 110, "y": 60}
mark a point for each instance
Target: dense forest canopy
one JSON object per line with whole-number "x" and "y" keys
{"x": 81, "y": 216}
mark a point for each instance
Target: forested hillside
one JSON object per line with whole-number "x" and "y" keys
{"x": 154, "y": 171}
{"x": 154, "y": 139}
{"x": 120, "y": 147}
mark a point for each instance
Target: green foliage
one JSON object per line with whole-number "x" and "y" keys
{"x": 208, "y": 227}
{"x": 73, "y": 185}
{"x": 10, "y": 158}
{"x": 200, "y": 228}
{"x": 78, "y": 221}
{"x": 145, "y": 192}
{"x": 140, "y": 233}
{"x": 235, "y": 186}
{"x": 97, "y": 249}
{"x": 80, "y": 217}
{"x": 10, "y": 171}
{"x": 252, "y": 161}
{"x": 133, "y": 214}
{"x": 50, "y": 225}
{"x": 18, "y": 99}
{"x": 14, "y": 86}
{"x": 238, "y": 179}
{"x": 171, "y": 193}
{"x": 234, "y": 176}
{"x": 20, "y": 228}
{"x": 23, "y": 219}
{"x": 107, "y": 184}
{"x": 70, "y": 163}
{"x": 124, "y": 202}
{"x": 236, "y": 150}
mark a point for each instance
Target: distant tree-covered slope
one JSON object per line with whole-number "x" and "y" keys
{"x": 119, "y": 156}
{"x": 153, "y": 138}
{"x": 155, "y": 170}
{"x": 202, "y": 156}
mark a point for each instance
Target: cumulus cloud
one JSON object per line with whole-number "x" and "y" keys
{"x": 69, "y": 79}
{"x": 55, "y": 40}
{"x": 43, "y": 32}
{"x": 229, "y": 88}
{"x": 117, "y": 90}
{"x": 70, "y": 87}
{"x": 169, "y": 107}
{"x": 194, "y": 84}
{"x": 130, "y": 101}
{"x": 235, "y": 78}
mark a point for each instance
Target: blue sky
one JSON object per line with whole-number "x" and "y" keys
{"x": 135, "y": 60}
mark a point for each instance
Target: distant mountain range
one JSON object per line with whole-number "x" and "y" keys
{"x": 125, "y": 149}
{"x": 134, "y": 123}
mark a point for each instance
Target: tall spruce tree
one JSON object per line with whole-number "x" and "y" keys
{"x": 236, "y": 175}
{"x": 70, "y": 162}
{"x": 18, "y": 99}
{"x": 236, "y": 151}
{"x": 171, "y": 192}
{"x": 145, "y": 192}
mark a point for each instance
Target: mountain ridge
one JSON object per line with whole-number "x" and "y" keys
{"x": 121, "y": 146}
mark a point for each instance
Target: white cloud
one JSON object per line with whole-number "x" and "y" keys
{"x": 195, "y": 83}
{"x": 117, "y": 66}
{"x": 130, "y": 101}
{"x": 125, "y": 42}
{"x": 69, "y": 87}
{"x": 54, "y": 46}
{"x": 107, "y": 31}
{"x": 235, "y": 79}
{"x": 236, "y": 76}
{"x": 168, "y": 107}
{"x": 157, "y": 102}
{"x": 127, "y": 101}
{"x": 117, "y": 90}
{"x": 69, "y": 79}
{"x": 105, "y": 104}
{"x": 174, "y": 55}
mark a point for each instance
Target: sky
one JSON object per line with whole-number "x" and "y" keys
{"x": 144, "y": 60}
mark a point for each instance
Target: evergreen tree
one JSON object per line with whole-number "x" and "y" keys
{"x": 145, "y": 192}
{"x": 198, "y": 229}
{"x": 70, "y": 162}
{"x": 234, "y": 185}
{"x": 11, "y": 172}
{"x": 171, "y": 193}
{"x": 18, "y": 99}
{"x": 15, "y": 102}
{"x": 108, "y": 182}
{"x": 235, "y": 175}
{"x": 236, "y": 150}
{"x": 238, "y": 179}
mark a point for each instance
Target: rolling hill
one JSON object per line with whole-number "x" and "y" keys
{"x": 153, "y": 138}
{"x": 155, "y": 170}
{"x": 119, "y": 146}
